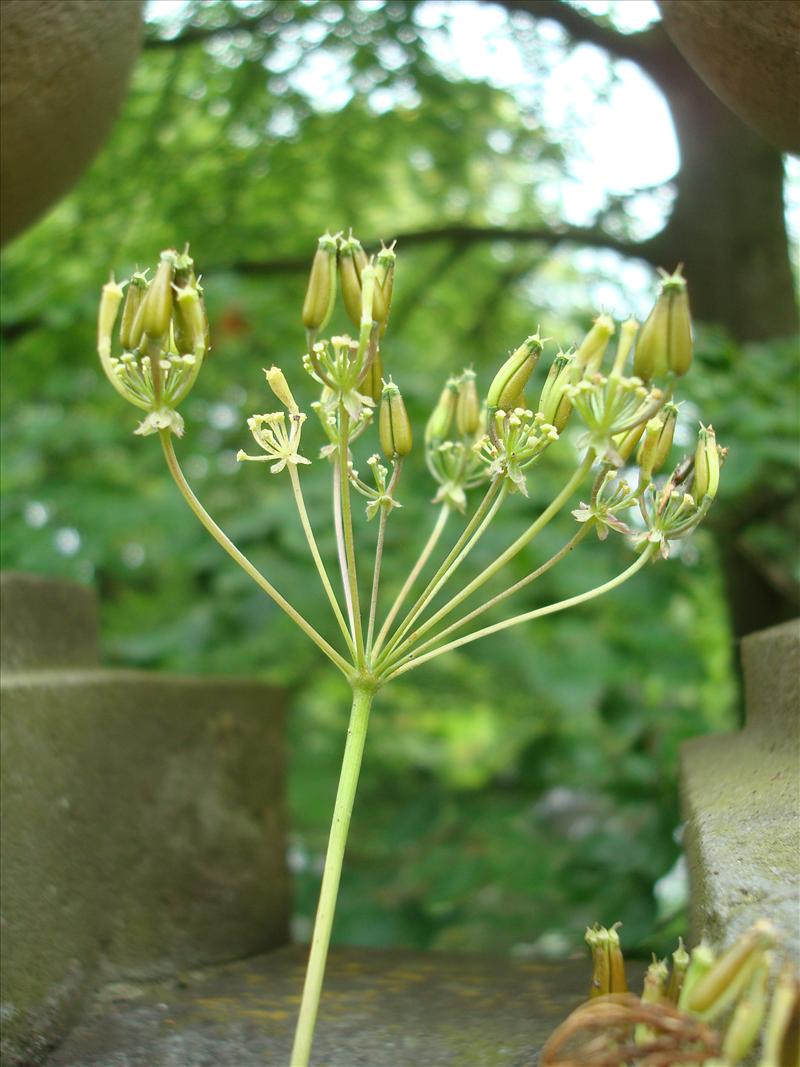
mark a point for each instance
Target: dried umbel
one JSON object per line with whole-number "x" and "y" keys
{"x": 710, "y": 1010}
{"x": 487, "y": 444}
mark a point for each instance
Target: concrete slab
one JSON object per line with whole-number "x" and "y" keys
{"x": 143, "y": 831}
{"x": 46, "y": 623}
{"x": 379, "y": 1009}
{"x": 741, "y": 796}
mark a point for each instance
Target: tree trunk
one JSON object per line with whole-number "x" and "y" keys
{"x": 728, "y": 219}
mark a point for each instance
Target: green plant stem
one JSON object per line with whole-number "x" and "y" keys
{"x": 225, "y": 542}
{"x": 515, "y": 588}
{"x": 413, "y": 660}
{"x": 424, "y": 556}
{"x": 524, "y": 539}
{"x": 463, "y": 546}
{"x": 345, "y": 795}
{"x": 312, "y": 544}
{"x": 340, "y": 549}
{"x": 347, "y": 528}
{"x": 376, "y": 573}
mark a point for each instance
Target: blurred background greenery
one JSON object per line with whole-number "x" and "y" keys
{"x": 520, "y": 790}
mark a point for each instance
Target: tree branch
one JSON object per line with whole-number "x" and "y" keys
{"x": 639, "y": 47}
{"x": 198, "y": 34}
{"x": 463, "y": 235}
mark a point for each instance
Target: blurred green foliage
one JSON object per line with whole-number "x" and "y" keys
{"x": 511, "y": 793}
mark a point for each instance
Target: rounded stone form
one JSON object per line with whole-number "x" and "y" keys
{"x": 65, "y": 70}
{"x": 748, "y": 53}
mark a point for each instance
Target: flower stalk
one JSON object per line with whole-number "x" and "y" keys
{"x": 472, "y": 441}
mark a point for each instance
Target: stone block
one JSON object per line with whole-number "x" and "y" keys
{"x": 143, "y": 832}
{"x": 741, "y": 796}
{"x": 380, "y": 1008}
{"x": 46, "y": 623}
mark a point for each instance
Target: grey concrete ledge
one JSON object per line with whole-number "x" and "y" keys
{"x": 741, "y": 797}
{"x": 379, "y": 1009}
{"x": 143, "y": 832}
{"x": 47, "y": 623}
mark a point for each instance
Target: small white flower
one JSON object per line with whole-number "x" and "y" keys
{"x": 270, "y": 433}
{"x": 161, "y": 419}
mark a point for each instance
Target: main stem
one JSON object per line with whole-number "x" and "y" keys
{"x": 345, "y": 795}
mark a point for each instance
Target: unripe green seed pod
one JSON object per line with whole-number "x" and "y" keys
{"x": 384, "y": 284}
{"x": 554, "y": 404}
{"x": 597, "y": 940}
{"x": 441, "y": 418}
{"x": 700, "y": 963}
{"x": 468, "y": 407}
{"x": 669, "y": 417}
{"x": 352, "y": 260}
{"x": 653, "y": 992}
{"x": 110, "y": 300}
{"x": 321, "y": 292}
{"x": 189, "y": 321}
{"x": 665, "y": 340}
{"x": 748, "y": 1015}
{"x": 280, "y": 387}
{"x": 130, "y": 337}
{"x": 394, "y": 427}
{"x": 157, "y": 306}
{"x": 627, "y": 334}
{"x": 706, "y": 465}
{"x": 513, "y": 376}
{"x": 627, "y": 442}
{"x": 647, "y": 449}
{"x": 783, "y": 1011}
{"x": 618, "y": 981}
{"x": 593, "y": 347}
{"x": 655, "y": 983}
{"x": 710, "y": 990}
{"x": 680, "y": 962}
{"x": 372, "y": 386}
{"x": 368, "y": 291}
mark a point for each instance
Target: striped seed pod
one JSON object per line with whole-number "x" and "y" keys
{"x": 130, "y": 330}
{"x": 158, "y": 302}
{"x": 321, "y": 291}
{"x": 665, "y": 340}
{"x": 513, "y": 376}
{"x": 352, "y": 260}
{"x": 591, "y": 350}
{"x": 372, "y": 384}
{"x": 706, "y": 465}
{"x": 720, "y": 984}
{"x": 468, "y": 405}
{"x": 441, "y": 418}
{"x": 554, "y": 403}
{"x": 394, "y": 427}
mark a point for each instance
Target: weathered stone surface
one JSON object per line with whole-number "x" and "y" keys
{"x": 46, "y": 623}
{"x": 143, "y": 824}
{"x": 746, "y": 51}
{"x": 379, "y": 1009}
{"x": 741, "y": 796}
{"x": 65, "y": 70}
